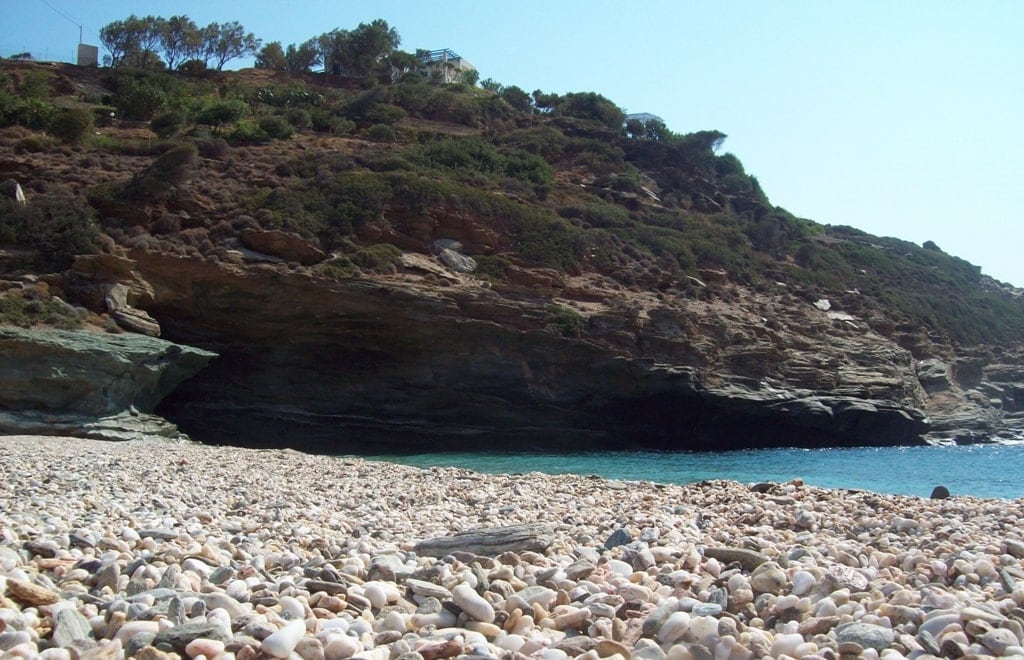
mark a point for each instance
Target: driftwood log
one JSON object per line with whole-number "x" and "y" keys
{"x": 490, "y": 541}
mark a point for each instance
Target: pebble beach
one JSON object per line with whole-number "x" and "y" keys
{"x": 157, "y": 549}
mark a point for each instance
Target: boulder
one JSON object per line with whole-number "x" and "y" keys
{"x": 458, "y": 262}
{"x": 286, "y": 245}
{"x": 79, "y": 382}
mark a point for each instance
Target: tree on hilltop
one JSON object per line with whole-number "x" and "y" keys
{"x": 229, "y": 41}
{"x": 133, "y": 41}
{"x": 359, "y": 53}
{"x": 271, "y": 56}
{"x": 179, "y": 36}
{"x": 138, "y": 42}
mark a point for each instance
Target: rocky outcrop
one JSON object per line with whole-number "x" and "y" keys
{"x": 285, "y": 245}
{"x": 977, "y": 397}
{"x": 404, "y": 363}
{"x": 434, "y": 358}
{"x": 88, "y": 384}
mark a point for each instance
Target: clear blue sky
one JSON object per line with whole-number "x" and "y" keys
{"x": 899, "y": 117}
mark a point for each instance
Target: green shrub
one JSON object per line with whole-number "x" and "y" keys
{"x": 34, "y": 113}
{"x": 248, "y": 132}
{"x": 565, "y": 321}
{"x": 338, "y": 268}
{"x": 299, "y": 118}
{"x": 491, "y": 267}
{"x": 168, "y": 124}
{"x": 26, "y": 313}
{"x": 341, "y": 126}
{"x": 550, "y": 242}
{"x": 56, "y": 228}
{"x": 378, "y": 258}
{"x": 222, "y": 112}
{"x": 275, "y": 127}
{"x": 381, "y": 133}
{"x": 139, "y": 100}
{"x": 213, "y": 148}
{"x": 598, "y": 214}
{"x": 385, "y": 113}
{"x": 71, "y": 126}
{"x": 32, "y": 144}
{"x": 169, "y": 169}
{"x": 531, "y": 169}
{"x": 192, "y": 67}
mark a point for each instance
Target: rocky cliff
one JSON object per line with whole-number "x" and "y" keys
{"x": 89, "y": 384}
{"x": 434, "y": 266}
{"x": 430, "y": 358}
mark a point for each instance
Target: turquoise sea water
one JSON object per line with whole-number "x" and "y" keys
{"x": 979, "y": 470}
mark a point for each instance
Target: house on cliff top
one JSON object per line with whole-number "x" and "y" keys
{"x": 445, "y": 62}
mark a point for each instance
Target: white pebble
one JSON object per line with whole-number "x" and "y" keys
{"x": 675, "y": 626}
{"x": 209, "y": 648}
{"x": 281, "y": 643}
{"x": 472, "y": 603}
{"x": 803, "y": 582}
{"x": 341, "y": 647}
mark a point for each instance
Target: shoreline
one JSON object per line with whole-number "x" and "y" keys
{"x": 149, "y": 542}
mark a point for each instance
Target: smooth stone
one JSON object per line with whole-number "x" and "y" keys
{"x": 291, "y": 608}
{"x": 622, "y": 568}
{"x": 472, "y": 603}
{"x": 786, "y": 644}
{"x": 768, "y": 578}
{"x": 130, "y": 628}
{"x": 538, "y": 595}
{"x": 225, "y": 602}
{"x": 169, "y": 580}
{"x": 675, "y": 626}
{"x": 648, "y": 653}
{"x": 618, "y": 538}
{"x": 940, "y": 493}
{"x": 209, "y": 648}
{"x": 69, "y": 626}
{"x": 998, "y": 640}
{"x": 310, "y": 648}
{"x": 707, "y": 609}
{"x": 430, "y": 589}
{"x": 375, "y": 593}
{"x": 748, "y": 559}
{"x": 178, "y": 637}
{"x": 866, "y": 634}
{"x": 844, "y": 577}
{"x": 137, "y": 642}
{"x": 579, "y": 570}
{"x": 388, "y": 567}
{"x": 704, "y": 629}
{"x": 340, "y": 647}
{"x": 281, "y": 643}
{"x": 803, "y": 582}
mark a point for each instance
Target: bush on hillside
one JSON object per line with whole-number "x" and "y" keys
{"x": 71, "y": 126}
{"x": 276, "y": 127}
{"x": 57, "y": 228}
{"x": 168, "y": 124}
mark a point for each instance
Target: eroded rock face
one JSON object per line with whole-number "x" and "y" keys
{"x": 330, "y": 365}
{"x": 77, "y": 382}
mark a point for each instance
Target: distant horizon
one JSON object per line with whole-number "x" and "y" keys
{"x": 898, "y": 119}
